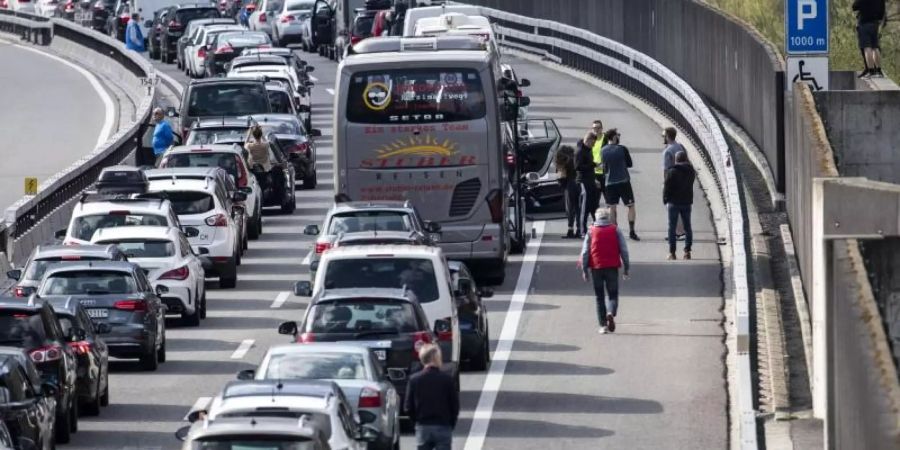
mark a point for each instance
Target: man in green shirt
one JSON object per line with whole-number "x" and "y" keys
{"x": 597, "y": 128}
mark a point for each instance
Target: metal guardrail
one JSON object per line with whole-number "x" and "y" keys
{"x": 649, "y": 80}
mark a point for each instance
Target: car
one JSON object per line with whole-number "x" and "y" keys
{"x": 473, "y": 317}
{"x": 170, "y": 263}
{"x": 117, "y": 294}
{"x": 195, "y": 50}
{"x": 231, "y": 158}
{"x": 91, "y": 353}
{"x": 95, "y": 211}
{"x": 254, "y": 433}
{"x": 28, "y": 278}
{"x": 362, "y": 26}
{"x": 191, "y": 31}
{"x": 218, "y": 98}
{"x": 286, "y": 102}
{"x": 280, "y": 72}
{"x": 155, "y": 32}
{"x": 46, "y": 8}
{"x": 306, "y": 35}
{"x": 356, "y": 371}
{"x": 177, "y": 19}
{"x": 22, "y": 6}
{"x": 27, "y": 404}
{"x": 118, "y": 20}
{"x": 321, "y": 405}
{"x": 351, "y": 217}
{"x": 228, "y": 45}
{"x": 380, "y": 238}
{"x": 302, "y": 68}
{"x": 287, "y": 28}
{"x": 100, "y": 12}
{"x": 34, "y": 328}
{"x": 420, "y": 269}
{"x": 265, "y": 13}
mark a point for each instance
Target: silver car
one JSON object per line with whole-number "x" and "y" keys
{"x": 249, "y": 432}
{"x": 353, "y": 367}
{"x": 29, "y": 277}
{"x": 288, "y": 28}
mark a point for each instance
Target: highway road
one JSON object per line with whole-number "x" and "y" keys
{"x": 52, "y": 116}
{"x": 658, "y": 382}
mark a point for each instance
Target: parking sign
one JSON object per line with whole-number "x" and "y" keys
{"x": 806, "y": 26}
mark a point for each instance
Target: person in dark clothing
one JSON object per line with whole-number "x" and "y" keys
{"x": 678, "y": 196}
{"x": 399, "y": 19}
{"x": 616, "y": 162}
{"x": 870, "y": 15}
{"x": 584, "y": 176}
{"x": 565, "y": 172}
{"x": 432, "y": 402}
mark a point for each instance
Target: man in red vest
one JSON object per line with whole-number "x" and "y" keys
{"x": 603, "y": 252}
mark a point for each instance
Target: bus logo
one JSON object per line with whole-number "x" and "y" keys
{"x": 377, "y": 96}
{"x": 418, "y": 151}
{"x": 417, "y": 146}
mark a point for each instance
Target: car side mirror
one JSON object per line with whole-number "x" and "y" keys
{"x": 196, "y": 415}
{"x": 247, "y": 190}
{"x": 182, "y": 433}
{"x": 206, "y": 263}
{"x": 239, "y": 196}
{"x": 485, "y": 292}
{"x": 14, "y": 274}
{"x": 202, "y": 250}
{"x": 303, "y": 289}
{"x": 288, "y": 328}
{"x": 191, "y": 232}
{"x": 524, "y": 82}
{"x": 315, "y": 132}
{"x": 102, "y": 328}
{"x": 171, "y": 112}
{"x": 49, "y": 390}
{"x": 313, "y": 266}
{"x": 161, "y": 290}
{"x": 309, "y": 84}
{"x": 432, "y": 227}
{"x": 303, "y": 108}
{"x": 248, "y": 374}
{"x": 311, "y": 230}
{"x": 60, "y": 234}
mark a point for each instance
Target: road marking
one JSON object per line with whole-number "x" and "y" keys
{"x": 313, "y": 79}
{"x": 482, "y": 416}
{"x": 201, "y": 402}
{"x": 329, "y": 90}
{"x": 282, "y": 297}
{"x": 242, "y": 349}
{"x": 307, "y": 259}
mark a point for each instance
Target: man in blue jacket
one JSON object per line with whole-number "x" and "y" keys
{"x": 163, "y": 136}
{"x": 134, "y": 38}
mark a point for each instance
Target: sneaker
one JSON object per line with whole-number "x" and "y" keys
{"x": 687, "y": 254}
{"x": 569, "y": 234}
{"x": 680, "y": 237}
{"x": 865, "y": 74}
{"x": 877, "y": 73}
{"x": 610, "y": 323}
{"x": 671, "y": 257}
{"x": 603, "y": 330}
{"x": 633, "y": 236}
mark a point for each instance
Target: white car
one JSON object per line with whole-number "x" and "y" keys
{"x": 195, "y": 50}
{"x": 46, "y": 8}
{"x": 289, "y": 24}
{"x": 264, "y": 15}
{"x": 23, "y": 6}
{"x": 283, "y": 73}
{"x": 231, "y": 158}
{"x": 170, "y": 264}
{"x": 96, "y": 211}
{"x": 203, "y": 202}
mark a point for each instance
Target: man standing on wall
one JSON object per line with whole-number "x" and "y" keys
{"x": 870, "y": 15}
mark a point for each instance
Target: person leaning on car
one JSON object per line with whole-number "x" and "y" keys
{"x": 432, "y": 402}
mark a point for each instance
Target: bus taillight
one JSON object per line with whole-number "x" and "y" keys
{"x": 495, "y": 203}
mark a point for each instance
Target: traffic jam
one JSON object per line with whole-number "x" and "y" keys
{"x": 429, "y": 197}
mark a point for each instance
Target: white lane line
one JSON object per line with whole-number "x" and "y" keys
{"x": 329, "y": 90}
{"x": 282, "y": 297}
{"x": 109, "y": 119}
{"x": 482, "y": 417}
{"x": 307, "y": 259}
{"x": 242, "y": 349}
{"x": 313, "y": 79}
{"x": 201, "y": 402}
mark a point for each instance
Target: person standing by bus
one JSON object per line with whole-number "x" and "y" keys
{"x": 616, "y": 162}
{"x": 584, "y": 176}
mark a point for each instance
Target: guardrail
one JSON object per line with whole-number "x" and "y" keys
{"x": 32, "y": 220}
{"x": 651, "y": 81}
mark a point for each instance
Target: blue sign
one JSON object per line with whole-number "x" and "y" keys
{"x": 806, "y": 26}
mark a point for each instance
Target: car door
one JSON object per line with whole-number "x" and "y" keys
{"x": 23, "y": 408}
{"x": 156, "y": 313}
{"x": 69, "y": 362}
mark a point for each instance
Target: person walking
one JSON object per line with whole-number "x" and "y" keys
{"x": 134, "y": 38}
{"x": 678, "y": 196}
{"x": 616, "y": 162}
{"x": 432, "y": 402}
{"x": 672, "y": 147}
{"x": 584, "y": 176}
{"x": 597, "y": 128}
{"x": 163, "y": 136}
{"x": 565, "y": 173}
{"x": 870, "y": 15}
{"x": 603, "y": 252}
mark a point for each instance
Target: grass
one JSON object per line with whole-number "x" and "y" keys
{"x": 767, "y": 16}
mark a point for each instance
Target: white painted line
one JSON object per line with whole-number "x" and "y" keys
{"x": 482, "y": 417}
{"x": 306, "y": 260}
{"x": 282, "y": 297}
{"x": 313, "y": 79}
{"x": 329, "y": 90}
{"x": 242, "y": 349}
{"x": 201, "y": 403}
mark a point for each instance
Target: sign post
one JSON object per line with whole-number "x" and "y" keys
{"x": 806, "y": 25}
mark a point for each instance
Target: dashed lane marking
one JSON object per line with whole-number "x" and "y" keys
{"x": 329, "y": 90}
{"x": 242, "y": 349}
{"x": 282, "y": 297}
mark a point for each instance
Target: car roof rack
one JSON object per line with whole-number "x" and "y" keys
{"x": 412, "y": 44}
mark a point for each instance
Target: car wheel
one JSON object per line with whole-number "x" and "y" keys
{"x": 203, "y": 305}
{"x": 255, "y": 227}
{"x": 92, "y": 407}
{"x": 230, "y": 281}
{"x": 191, "y": 320}
{"x": 290, "y": 206}
{"x": 150, "y": 361}
{"x": 161, "y": 353}
{"x": 73, "y": 415}
{"x": 104, "y": 398}
{"x": 310, "y": 181}
{"x": 63, "y": 428}
{"x": 483, "y": 358}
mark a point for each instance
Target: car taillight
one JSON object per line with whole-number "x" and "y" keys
{"x": 130, "y": 305}
{"x": 174, "y": 24}
{"x": 300, "y": 147}
{"x": 180, "y": 274}
{"x": 495, "y": 203}
{"x": 510, "y": 159}
{"x": 445, "y": 335}
{"x": 355, "y": 39}
{"x": 124, "y": 20}
{"x": 70, "y": 6}
{"x": 262, "y": 18}
{"x": 306, "y": 338}
{"x": 321, "y": 247}
{"x": 225, "y": 49}
{"x": 286, "y": 19}
{"x": 20, "y": 291}
{"x": 369, "y": 398}
{"x": 218, "y": 220}
{"x": 46, "y": 354}
{"x": 81, "y": 347}
{"x": 201, "y": 52}
{"x": 242, "y": 180}
{"x": 419, "y": 339}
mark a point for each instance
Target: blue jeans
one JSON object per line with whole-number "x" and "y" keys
{"x": 685, "y": 212}
{"x": 434, "y": 437}
{"x": 606, "y": 281}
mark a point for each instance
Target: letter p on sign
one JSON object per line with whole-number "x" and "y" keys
{"x": 806, "y": 10}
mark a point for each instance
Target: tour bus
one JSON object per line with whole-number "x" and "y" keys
{"x": 419, "y": 119}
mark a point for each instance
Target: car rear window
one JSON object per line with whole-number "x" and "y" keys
{"x": 89, "y": 282}
{"x": 281, "y": 102}
{"x": 369, "y": 221}
{"x": 362, "y": 315}
{"x": 363, "y": 26}
{"x": 227, "y": 161}
{"x": 228, "y": 100}
{"x": 21, "y": 329}
{"x": 145, "y": 248}
{"x": 36, "y": 269}
{"x": 190, "y": 202}
{"x": 300, "y": 5}
{"x": 316, "y": 366}
{"x": 184, "y": 16}
{"x": 85, "y": 226}
{"x": 244, "y": 442}
{"x": 211, "y": 136}
{"x": 415, "y": 274}
{"x": 242, "y": 39}
{"x": 274, "y": 6}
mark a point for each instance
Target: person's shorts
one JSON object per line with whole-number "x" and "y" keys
{"x": 867, "y": 35}
{"x": 619, "y": 191}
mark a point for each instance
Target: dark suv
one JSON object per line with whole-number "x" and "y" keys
{"x": 27, "y": 406}
{"x": 36, "y": 330}
{"x": 223, "y": 97}
{"x": 176, "y": 22}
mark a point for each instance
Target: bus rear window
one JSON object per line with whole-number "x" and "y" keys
{"x": 415, "y": 96}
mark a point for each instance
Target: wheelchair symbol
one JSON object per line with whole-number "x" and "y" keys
{"x": 806, "y": 76}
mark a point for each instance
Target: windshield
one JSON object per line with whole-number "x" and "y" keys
{"x": 36, "y": 269}
{"x": 281, "y": 102}
{"x": 190, "y": 202}
{"x": 362, "y": 316}
{"x": 435, "y": 95}
{"x": 363, "y": 26}
{"x": 242, "y": 39}
{"x": 416, "y": 274}
{"x": 141, "y": 248}
{"x": 297, "y": 5}
{"x": 228, "y": 100}
{"x": 369, "y": 221}
{"x": 227, "y": 161}
{"x": 89, "y": 282}
{"x": 186, "y": 15}
{"x": 255, "y": 442}
{"x": 274, "y": 5}
{"x": 316, "y": 366}
{"x": 21, "y": 328}
{"x": 85, "y": 226}
{"x": 216, "y": 135}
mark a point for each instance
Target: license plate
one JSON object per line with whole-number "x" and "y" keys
{"x": 96, "y": 313}
{"x": 381, "y": 354}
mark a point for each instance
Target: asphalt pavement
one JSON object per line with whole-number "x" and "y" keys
{"x": 658, "y": 382}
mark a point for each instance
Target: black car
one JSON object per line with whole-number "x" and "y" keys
{"x": 294, "y": 139}
{"x": 27, "y": 405}
{"x": 119, "y": 295}
{"x": 118, "y": 20}
{"x": 218, "y": 98}
{"x": 100, "y": 11}
{"x": 35, "y": 328}
{"x": 91, "y": 352}
{"x": 475, "y": 351}
{"x": 227, "y": 46}
{"x": 392, "y": 318}
{"x": 177, "y": 19}
{"x": 155, "y": 32}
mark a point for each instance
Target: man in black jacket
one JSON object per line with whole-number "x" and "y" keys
{"x": 432, "y": 402}
{"x": 584, "y": 176}
{"x": 678, "y": 196}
